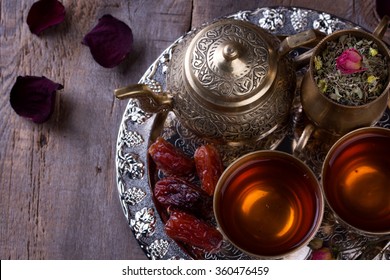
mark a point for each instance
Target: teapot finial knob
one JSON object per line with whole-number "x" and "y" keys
{"x": 230, "y": 52}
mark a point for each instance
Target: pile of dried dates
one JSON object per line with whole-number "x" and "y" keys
{"x": 185, "y": 192}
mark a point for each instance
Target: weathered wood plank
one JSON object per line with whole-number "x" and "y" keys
{"x": 58, "y": 187}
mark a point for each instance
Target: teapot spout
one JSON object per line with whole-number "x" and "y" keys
{"x": 149, "y": 101}
{"x": 380, "y": 30}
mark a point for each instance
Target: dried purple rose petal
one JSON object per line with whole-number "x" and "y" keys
{"x": 44, "y": 14}
{"x": 33, "y": 97}
{"x": 110, "y": 41}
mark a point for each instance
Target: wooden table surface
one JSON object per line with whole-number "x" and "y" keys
{"x": 58, "y": 196}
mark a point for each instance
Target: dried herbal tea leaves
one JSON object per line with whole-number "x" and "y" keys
{"x": 351, "y": 71}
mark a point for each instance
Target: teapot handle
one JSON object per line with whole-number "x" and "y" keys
{"x": 380, "y": 30}
{"x": 149, "y": 101}
{"x": 306, "y": 134}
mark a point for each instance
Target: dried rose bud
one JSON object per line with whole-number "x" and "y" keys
{"x": 33, "y": 97}
{"x": 323, "y": 253}
{"x": 44, "y": 14}
{"x": 350, "y": 62}
{"x": 110, "y": 41}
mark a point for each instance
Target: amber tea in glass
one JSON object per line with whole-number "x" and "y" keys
{"x": 268, "y": 204}
{"x": 356, "y": 180}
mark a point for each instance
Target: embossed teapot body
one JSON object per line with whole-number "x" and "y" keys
{"x": 230, "y": 82}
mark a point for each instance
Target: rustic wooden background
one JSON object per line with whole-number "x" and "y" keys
{"x": 58, "y": 197}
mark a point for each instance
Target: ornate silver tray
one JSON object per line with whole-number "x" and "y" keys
{"x": 138, "y": 129}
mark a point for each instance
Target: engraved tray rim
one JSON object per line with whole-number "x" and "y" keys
{"x": 136, "y": 129}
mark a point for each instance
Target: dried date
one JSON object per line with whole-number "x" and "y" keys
{"x": 208, "y": 166}
{"x": 169, "y": 159}
{"x": 186, "y": 228}
{"x": 172, "y": 191}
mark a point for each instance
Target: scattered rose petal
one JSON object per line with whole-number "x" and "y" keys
{"x": 110, "y": 41}
{"x": 350, "y": 62}
{"x": 33, "y": 97}
{"x": 44, "y": 14}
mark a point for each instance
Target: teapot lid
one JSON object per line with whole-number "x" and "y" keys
{"x": 230, "y": 64}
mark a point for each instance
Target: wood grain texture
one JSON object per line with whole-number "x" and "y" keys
{"x": 58, "y": 197}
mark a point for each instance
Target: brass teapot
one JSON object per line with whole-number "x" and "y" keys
{"x": 230, "y": 82}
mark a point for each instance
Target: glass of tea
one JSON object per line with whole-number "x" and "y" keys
{"x": 356, "y": 180}
{"x": 268, "y": 204}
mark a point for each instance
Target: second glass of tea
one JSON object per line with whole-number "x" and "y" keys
{"x": 356, "y": 180}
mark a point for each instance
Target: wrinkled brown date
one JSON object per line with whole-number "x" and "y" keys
{"x": 172, "y": 191}
{"x": 208, "y": 166}
{"x": 169, "y": 159}
{"x": 185, "y": 227}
